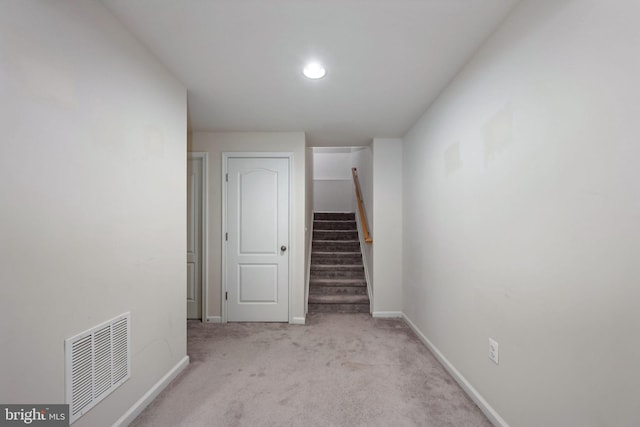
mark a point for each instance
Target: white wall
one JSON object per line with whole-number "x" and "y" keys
{"x": 332, "y": 164}
{"x": 215, "y": 143}
{"x": 387, "y": 226}
{"x": 92, "y": 186}
{"x": 332, "y": 182}
{"x": 333, "y": 195}
{"x": 521, "y": 216}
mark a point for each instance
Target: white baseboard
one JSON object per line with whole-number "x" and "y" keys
{"x": 484, "y": 406}
{"x": 128, "y": 417}
{"x": 387, "y": 314}
{"x": 214, "y": 319}
{"x": 298, "y": 321}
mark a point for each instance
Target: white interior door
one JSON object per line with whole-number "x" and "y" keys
{"x": 257, "y": 255}
{"x": 194, "y": 237}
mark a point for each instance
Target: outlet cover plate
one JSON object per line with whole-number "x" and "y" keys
{"x": 493, "y": 350}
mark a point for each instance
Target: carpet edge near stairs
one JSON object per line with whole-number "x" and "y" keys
{"x": 337, "y": 282}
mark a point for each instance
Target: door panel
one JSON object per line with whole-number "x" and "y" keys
{"x": 191, "y": 283}
{"x": 257, "y": 283}
{"x": 258, "y": 228}
{"x": 258, "y": 215}
{"x": 194, "y": 238}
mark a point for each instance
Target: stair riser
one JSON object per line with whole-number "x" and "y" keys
{"x": 336, "y": 246}
{"x": 336, "y": 259}
{"x": 335, "y": 216}
{"x": 334, "y": 235}
{"x": 359, "y": 268}
{"x": 339, "y": 225}
{"x": 339, "y": 308}
{"x": 338, "y": 299}
{"x": 328, "y": 274}
{"x": 338, "y": 290}
{"x": 337, "y": 283}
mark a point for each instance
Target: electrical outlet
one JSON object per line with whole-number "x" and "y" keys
{"x": 493, "y": 350}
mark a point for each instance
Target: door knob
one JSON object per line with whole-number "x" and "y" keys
{"x": 283, "y": 248}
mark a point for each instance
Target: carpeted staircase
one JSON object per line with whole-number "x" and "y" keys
{"x": 337, "y": 283}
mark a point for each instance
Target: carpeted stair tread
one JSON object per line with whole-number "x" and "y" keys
{"x": 333, "y": 271}
{"x": 339, "y": 308}
{"x": 334, "y": 225}
{"x": 337, "y": 282}
{"x": 335, "y": 246}
{"x": 341, "y": 242}
{"x": 332, "y": 276}
{"x": 338, "y": 299}
{"x": 336, "y": 275}
{"x": 336, "y": 255}
{"x": 333, "y": 259}
{"x": 337, "y": 267}
{"x": 333, "y": 235}
{"x": 334, "y": 216}
{"x": 337, "y": 252}
{"x": 338, "y": 290}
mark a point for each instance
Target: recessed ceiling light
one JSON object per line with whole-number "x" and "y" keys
{"x": 314, "y": 70}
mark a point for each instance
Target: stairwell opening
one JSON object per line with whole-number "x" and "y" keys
{"x": 337, "y": 282}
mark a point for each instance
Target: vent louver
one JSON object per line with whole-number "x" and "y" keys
{"x": 97, "y": 362}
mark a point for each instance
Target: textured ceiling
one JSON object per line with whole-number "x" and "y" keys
{"x": 241, "y": 60}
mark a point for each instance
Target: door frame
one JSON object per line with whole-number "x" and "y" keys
{"x": 226, "y": 155}
{"x": 204, "y": 261}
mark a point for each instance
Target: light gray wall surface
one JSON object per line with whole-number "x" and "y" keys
{"x": 521, "y": 216}
{"x": 92, "y": 187}
{"x": 333, "y": 195}
{"x": 387, "y": 223}
{"x": 332, "y": 182}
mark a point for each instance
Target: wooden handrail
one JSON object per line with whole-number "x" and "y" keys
{"x": 363, "y": 219}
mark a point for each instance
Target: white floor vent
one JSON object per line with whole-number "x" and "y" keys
{"x": 97, "y": 362}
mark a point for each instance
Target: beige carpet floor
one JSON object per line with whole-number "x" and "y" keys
{"x": 338, "y": 370}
